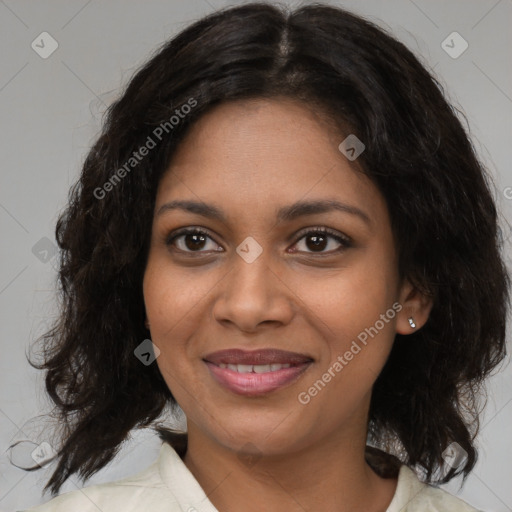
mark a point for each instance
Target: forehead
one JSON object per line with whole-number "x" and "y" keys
{"x": 251, "y": 153}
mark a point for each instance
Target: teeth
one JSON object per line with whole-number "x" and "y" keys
{"x": 261, "y": 368}
{"x": 254, "y": 368}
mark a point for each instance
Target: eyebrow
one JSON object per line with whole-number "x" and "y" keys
{"x": 285, "y": 213}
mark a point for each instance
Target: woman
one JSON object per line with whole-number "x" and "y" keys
{"x": 284, "y": 229}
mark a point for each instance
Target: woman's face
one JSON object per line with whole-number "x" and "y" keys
{"x": 257, "y": 280}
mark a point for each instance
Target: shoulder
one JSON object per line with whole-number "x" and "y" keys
{"x": 144, "y": 491}
{"x": 412, "y": 495}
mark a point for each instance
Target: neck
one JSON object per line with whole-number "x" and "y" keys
{"x": 329, "y": 475}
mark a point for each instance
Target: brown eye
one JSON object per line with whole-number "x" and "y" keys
{"x": 190, "y": 240}
{"x": 316, "y": 241}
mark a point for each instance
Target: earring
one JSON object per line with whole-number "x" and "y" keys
{"x": 411, "y": 322}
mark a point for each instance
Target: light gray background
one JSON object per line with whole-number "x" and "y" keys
{"x": 50, "y": 112}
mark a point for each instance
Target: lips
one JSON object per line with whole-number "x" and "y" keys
{"x": 257, "y": 357}
{"x": 257, "y": 372}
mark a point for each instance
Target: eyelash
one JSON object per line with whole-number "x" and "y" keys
{"x": 343, "y": 240}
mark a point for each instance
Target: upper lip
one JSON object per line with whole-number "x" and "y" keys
{"x": 261, "y": 356}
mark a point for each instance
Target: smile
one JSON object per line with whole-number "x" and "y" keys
{"x": 254, "y": 368}
{"x": 256, "y": 380}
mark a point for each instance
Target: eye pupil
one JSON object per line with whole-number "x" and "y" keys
{"x": 318, "y": 241}
{"x": 198, "y": 241}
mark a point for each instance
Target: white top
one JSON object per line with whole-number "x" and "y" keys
{"x": 168, "y": 486}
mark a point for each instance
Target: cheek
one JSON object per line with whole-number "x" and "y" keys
{"x": 169, "y": 299}
{"x": 354, "y": 315}
{"x": 174, "y": 300}
{"x": 348, "y": 301}
{"x": 172, "y": 296}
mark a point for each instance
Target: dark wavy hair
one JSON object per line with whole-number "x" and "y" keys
{"x": 417, "y": 153}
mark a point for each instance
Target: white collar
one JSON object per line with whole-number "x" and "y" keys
{"x": 182, "y": 482}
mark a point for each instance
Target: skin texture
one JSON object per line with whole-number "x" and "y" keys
{"x": 270, "y": 452}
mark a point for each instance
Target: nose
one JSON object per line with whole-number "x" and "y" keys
{"x": 253, "y": 294}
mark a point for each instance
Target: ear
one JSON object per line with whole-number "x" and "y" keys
{"x": 415, "y": 305}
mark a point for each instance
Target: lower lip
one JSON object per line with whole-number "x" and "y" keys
{"x": 252, "y": 384}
